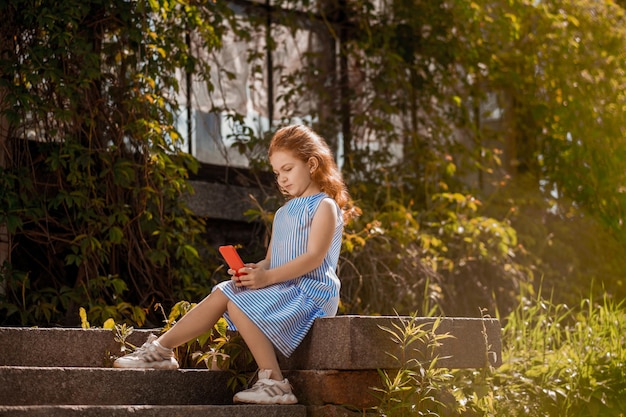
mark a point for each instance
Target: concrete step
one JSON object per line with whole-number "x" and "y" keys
{"x": 153, "y": 411}
{"x": 335, "y": 365}
{"x": 71, "y": 347}
{"x": 29, "y": 386}
{"x": 337, "y": 343}
{"x": 108, "y": 386}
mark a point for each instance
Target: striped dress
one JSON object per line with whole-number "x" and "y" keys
{"x": 286, "y": 311}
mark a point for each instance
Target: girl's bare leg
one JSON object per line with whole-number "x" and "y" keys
{"x": 260, "y": 346}
{"x": 198, "y": 320}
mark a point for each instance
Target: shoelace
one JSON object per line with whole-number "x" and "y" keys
{"x": 149, "y": 351}
{"x": 272, "y": 386}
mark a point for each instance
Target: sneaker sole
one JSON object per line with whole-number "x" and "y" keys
{"x": 161, "y": 366}
{"x": 268, "y": 402}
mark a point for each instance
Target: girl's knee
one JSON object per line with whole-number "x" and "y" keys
{"x": 232, "y": 309}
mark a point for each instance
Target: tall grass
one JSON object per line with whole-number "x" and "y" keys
{"x": 558, "y": 361}
{"x": 418, "y": 386}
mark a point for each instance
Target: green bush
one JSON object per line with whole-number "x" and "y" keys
{"x": 452, "y": 257}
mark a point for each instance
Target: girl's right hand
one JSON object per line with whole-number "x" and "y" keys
{"x": 242, "y": 271}
{"x": 234, "y": 277}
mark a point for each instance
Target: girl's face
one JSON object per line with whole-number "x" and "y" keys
{"x": 294, "y": 175}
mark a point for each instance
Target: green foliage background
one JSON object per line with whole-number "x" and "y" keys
{"x": 508, "y": 115}
{"x": 93, "y": 202}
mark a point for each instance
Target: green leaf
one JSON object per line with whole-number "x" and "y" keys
{"x": 116, "y": 235}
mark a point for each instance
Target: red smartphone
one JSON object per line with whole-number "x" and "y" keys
{"x": 232, "y": 257}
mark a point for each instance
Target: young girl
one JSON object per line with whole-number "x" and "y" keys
{"x": 273, "y": 303}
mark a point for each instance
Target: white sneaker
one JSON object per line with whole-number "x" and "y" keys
{"x": 150, "y": 355}
{"x": 267, "y": 391}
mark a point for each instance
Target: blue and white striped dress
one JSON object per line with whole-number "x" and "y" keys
{"x": 286, "y": 311}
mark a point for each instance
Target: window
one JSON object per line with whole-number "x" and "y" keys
{"x": 242, "y": 72}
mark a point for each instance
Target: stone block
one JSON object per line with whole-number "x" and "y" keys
{"x": 345, "y": 388}
{"x": 30, "y": 385}
{"x": 33, "y": 346}
{"x": 359, "y": 343}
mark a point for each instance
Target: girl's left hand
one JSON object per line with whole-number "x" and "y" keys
{"x": 255, "y": 277}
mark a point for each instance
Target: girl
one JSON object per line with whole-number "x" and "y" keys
{"x": 274, "y": 303}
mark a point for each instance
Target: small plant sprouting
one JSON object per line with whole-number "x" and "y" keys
{"x": 416, "y": 387}
{"x": 121, "y": 333}
{"x": 217, "y": 348}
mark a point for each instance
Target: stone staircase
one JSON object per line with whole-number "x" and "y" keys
{"x": 67, "y": 372}
{"x": 62, "y": 372}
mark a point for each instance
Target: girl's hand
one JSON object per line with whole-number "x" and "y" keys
{"x": 233, "y": 275}
{"x": 253, "y": 276}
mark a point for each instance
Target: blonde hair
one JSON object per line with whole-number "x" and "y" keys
{"x": 304, "y": 143}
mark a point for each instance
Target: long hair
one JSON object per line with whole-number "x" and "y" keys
{"x": 304, "y": 143}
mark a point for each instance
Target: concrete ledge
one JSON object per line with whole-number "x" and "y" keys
{"x": 71, "y": 347}
{"x": 358, "y": 343}
{"x": 335, "y": 343}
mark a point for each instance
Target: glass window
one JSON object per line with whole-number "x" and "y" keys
{"x": 241, "y": 73}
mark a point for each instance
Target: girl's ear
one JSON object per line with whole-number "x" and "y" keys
{"x": 313, "y": 164}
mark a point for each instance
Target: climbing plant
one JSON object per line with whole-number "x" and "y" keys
{"x": 93, "y": 185}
